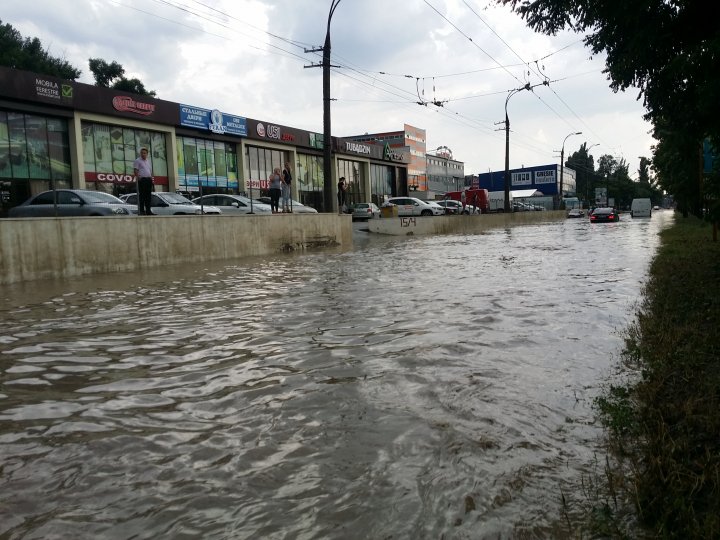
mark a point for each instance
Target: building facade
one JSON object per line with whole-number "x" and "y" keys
{"x": 56, "y": 133}
{"x": 543, "y": 178}
{"x": 443, "y": 172}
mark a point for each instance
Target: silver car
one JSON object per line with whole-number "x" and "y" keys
{"x": 72, "y": 202}
{"x": 410, "y": 206}
{"x": 165, "y": 203}
{"x": 233, "y": 204}
{"x": 365, "y": 211}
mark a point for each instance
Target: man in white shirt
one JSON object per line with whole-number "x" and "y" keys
{"x": 143, "y": 176}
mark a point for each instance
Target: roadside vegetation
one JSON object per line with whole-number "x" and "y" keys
{"x": 662, "y": 473}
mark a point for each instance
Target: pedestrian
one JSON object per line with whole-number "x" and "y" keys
{"x": 463, "y": 199}
{"x": 275, "y": 182}
{"x": 142, "y": 167}
{"x": 341, "y": 194}
{"x": 286, "y": 191}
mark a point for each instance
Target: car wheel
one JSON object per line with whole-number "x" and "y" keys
{"x": 426, "y": 213}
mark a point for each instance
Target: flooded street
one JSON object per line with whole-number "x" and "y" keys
{"x": 426, "y": 387}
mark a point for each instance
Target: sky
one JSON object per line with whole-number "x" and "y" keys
{"x": 446, "y": 66}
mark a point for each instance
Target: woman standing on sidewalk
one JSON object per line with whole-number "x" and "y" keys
{"x": 275, "y": 181}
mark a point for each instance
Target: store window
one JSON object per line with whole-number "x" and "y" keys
{"x": 34, "y": 156}
{"x": 259, "y": 165}
{"x": 310, "y": 174}
{"x": 355, "y": 192}
{"x": 210, "y": 165}
{"x": 381, "y": 183}
{"x": 109, "y": 152}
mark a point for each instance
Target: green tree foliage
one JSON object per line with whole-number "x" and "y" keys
{"x": 28, "y": 54}
{"x": 667, "y": 49}
{"x": 112, "y": 75}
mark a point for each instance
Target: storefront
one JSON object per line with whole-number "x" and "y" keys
{"x": 56, "y": 133}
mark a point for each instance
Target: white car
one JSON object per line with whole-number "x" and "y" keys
{"x": 295, "y": 206}
{"x": 233, "y": 204}
{"x": 410, "y": 206}
{"x": 165, "y": 203}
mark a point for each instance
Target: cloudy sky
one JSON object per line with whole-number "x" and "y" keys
{"x": 247, "y": 57}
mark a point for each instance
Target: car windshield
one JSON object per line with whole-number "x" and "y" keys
{"x": 100, "y": 197}
{"x": 603, "y": 211}
{"x": 176, "y": 198}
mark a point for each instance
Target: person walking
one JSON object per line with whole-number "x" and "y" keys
{"x": 286, "y": 191}
{"x": 341, "y": 194}
{"x": 142, "y": 167}
{"x": 275, "y": 182}
{"x": 463, "y": 200}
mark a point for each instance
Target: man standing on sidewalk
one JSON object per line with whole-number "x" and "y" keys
{"x": 142, "y": 167}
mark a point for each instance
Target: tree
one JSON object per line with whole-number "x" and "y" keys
{"x": 112, "y": 75}
{"x": 28, "y": 54}
{"x": 664, "y": 48}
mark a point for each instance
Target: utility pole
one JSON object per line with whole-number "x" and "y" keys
{"x": 327, "y": 131}
{"x": 507, "y": 139}
{"x": 562, "y": 165}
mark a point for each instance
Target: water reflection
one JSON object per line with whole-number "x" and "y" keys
{"x": 409, "y": 388}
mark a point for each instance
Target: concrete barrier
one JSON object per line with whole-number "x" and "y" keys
{"x": 472, "y": 224}
{"x": 44, "y": 248}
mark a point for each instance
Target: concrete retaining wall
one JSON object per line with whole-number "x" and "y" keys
{"x": 42, "y": 248}
{"x": 471, "y": 224}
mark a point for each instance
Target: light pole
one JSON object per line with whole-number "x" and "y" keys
{"x": 507, "y": 139}
{"x": 327, "y": 142}
{"x": 561, "y": 204}
{"x": 589, "y": 175}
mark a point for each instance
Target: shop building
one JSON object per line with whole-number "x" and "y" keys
{"x": 56, "y": 133}
{"x": 543, "y": 178}
{"x": 443, "y": 172}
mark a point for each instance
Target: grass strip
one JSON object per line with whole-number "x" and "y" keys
{"x": 664, "y": 425}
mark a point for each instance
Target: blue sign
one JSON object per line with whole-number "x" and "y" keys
{"x": 214, "y": 120}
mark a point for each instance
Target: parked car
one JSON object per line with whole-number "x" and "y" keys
{"x": 602, "y": 215}
{"x": 575, "y": 213}
{"x": 410, "y": 206}
{"x": 165, "y": 203}
{"x": 233, "y": 204}
{"x": 365, "y": 211}
{"x": 73, "y": 202}
{"x": 455, "y": 207}
{"x": 296, "y": 206}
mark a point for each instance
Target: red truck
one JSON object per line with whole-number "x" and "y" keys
{"x": 476, "y": 197}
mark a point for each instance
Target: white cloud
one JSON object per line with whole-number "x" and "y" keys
{"x": 221, "y": 54}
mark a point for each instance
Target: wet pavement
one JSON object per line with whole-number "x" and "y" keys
{"x": 424, "y": 387}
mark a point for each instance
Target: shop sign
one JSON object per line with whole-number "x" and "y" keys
{"x": 393, "y": 155}
{"x": 116, "y": 178}
{"x": 128, "y": 104}
{"x": 253, "y": 183}
{"x": 46, "y": 88}
{"x": 357, "y": 148}
{"x": 545, "y": 177}
{"x": 316, "y": 140}
{"x": 273, "y": 132}
{"x": 521, "y": 178}
{"x": 212, "y": 120}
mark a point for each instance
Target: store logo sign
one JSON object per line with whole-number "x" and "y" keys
{"x": 392, "y": 155}
{"x": 216, "y": 122}
{"x": 128, "y": 104}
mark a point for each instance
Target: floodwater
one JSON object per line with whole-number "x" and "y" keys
{"x": 422, "y": 387}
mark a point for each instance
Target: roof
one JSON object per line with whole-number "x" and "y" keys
{"x": 520, "y": 193}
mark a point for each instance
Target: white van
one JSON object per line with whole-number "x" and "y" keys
{"x": 641, "y": 208}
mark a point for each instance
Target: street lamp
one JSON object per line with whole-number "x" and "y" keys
{"x": 562, "y": 165}
{"x": 589, "y": 175}
{"x": 507, "y": 139}
{"x": 327, "y": 143}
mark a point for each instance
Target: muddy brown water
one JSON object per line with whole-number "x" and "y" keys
{"x": 426, "y": 387}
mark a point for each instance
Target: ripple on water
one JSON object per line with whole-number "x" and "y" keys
{"x": 412, "y": 387}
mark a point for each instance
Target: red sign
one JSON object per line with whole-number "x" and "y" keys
{"x": 128, "y": 104}
{"x": 113, "y": 178}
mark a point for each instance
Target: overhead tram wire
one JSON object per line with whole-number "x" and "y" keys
{"x": 452, "y": 115}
